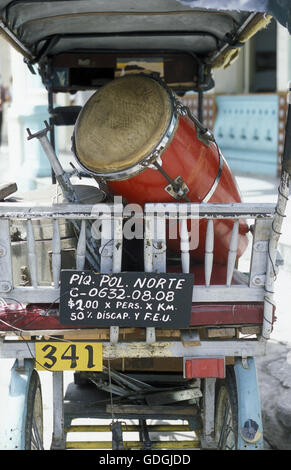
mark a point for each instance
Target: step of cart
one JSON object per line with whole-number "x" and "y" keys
{"x": 86, "y": 401}
{"x": 145, "y": 442}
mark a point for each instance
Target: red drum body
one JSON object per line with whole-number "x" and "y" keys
{"x": 184, "y": 157}
{"x": 203, "y": 170}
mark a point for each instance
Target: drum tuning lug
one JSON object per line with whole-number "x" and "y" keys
{"x": 178, "y": 188}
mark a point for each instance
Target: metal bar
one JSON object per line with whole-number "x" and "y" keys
{"x": 249, "y": 411}
{"x": 56, "y": 253}
{"x": 209, "y": 245}
{"x": 247, "y": 24}
{"x": 52, "y": 128}
{"x": 31, "y": 253}
{"x": 81, "y": 247}
{"x": 14, "y": 41}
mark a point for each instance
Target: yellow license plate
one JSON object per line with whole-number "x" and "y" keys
{"x": 60, "y": 355}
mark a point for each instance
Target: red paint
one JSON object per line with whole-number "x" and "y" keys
{"x": 198, "y": 165}
{"x": 202, "y": 314}
{"x": 205, "y": 367}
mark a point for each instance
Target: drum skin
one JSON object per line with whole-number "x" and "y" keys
{"x": 198, "y": 165}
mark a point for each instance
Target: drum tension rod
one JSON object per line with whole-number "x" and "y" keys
{"x": 181, "y": 193}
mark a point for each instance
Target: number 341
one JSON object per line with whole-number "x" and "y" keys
{"x": 58, "y": 356}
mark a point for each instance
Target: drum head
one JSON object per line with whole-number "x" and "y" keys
{"x": 121, "y": 124}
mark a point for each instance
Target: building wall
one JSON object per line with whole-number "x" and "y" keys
{"x": 5, "y": 72}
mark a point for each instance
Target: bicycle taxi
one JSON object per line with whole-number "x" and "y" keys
{"x": 131, "y": 278}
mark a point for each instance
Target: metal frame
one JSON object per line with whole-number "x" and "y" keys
{"x": 14, "y": 396}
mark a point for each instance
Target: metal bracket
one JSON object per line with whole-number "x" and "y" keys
{"x": 178, "y": 189}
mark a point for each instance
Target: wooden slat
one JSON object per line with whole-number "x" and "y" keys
{"x": 6, "y": 280}
{"x": 159, "y": 244}
{"x": 106, "y": 248}
{"x": 81, "y": 247}
{"x": 221, "y": 332}
{"x": 184, "y": 245}
{"x": 200, "y": 294}
{"x": 31, "y": 253}
{"x": 80, "y": 211}
{"x": 148, "y": 244}
{"x": 209, "y": 245}
{"x": 151, "y": 410}
{"x": 232, "y": 253}
{"x": 56, "y": 253}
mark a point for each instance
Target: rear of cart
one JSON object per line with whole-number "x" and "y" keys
{"x": 202, "y": 371}
{"x": 157, "y": 345}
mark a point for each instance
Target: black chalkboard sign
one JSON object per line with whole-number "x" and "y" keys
{"x": 128, "y": 299}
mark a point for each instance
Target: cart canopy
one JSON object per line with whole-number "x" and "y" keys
{"x": 208, "y": 33}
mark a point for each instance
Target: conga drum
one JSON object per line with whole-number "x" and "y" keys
{"x": 132, "y": 134}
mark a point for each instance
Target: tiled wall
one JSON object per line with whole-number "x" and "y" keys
{"x": 249, "y": 129}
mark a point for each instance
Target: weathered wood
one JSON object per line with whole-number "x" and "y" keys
{"x": 232, "y": 253}
{"x": 81, "y": 247}
{"x": 184, "y": 245}
{"x": 6, "y": 280}
{"x": 56, "y": 253}
{"x": 217, "y": 211}
{"x": 258, "y": 266}
{"x": 209, "y": 245}
{"x": 164, "y": 398}
{"x": 6, "y": 189}
{"x": 151, "y": 410}
{"x": 31, "y": 253}
{"x": 203, "y": 294}
{"x": 190, "y": 338}
{"x": 250, "y": 330}
{"x": 162, "y": 349}
{"x": 20, "y": 210}
{"x": 221, "y": 332}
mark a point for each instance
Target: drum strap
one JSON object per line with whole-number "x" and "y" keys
{"x": 217, "y": 179}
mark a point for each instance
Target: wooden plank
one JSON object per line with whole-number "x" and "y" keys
{"x": 153, "y": 410}
{"x": 164, "y": 398}
{"x": 231, "y": 211}
{"x": 250, "y": 330}
{"x": 48, "y": 294}
{"x": 209, "y": 245}
{"x": 6, "y": 189}
{"x": 5, "y": 259}
{"x": 221, "y": 332}
{"x": 81, "y": 211}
